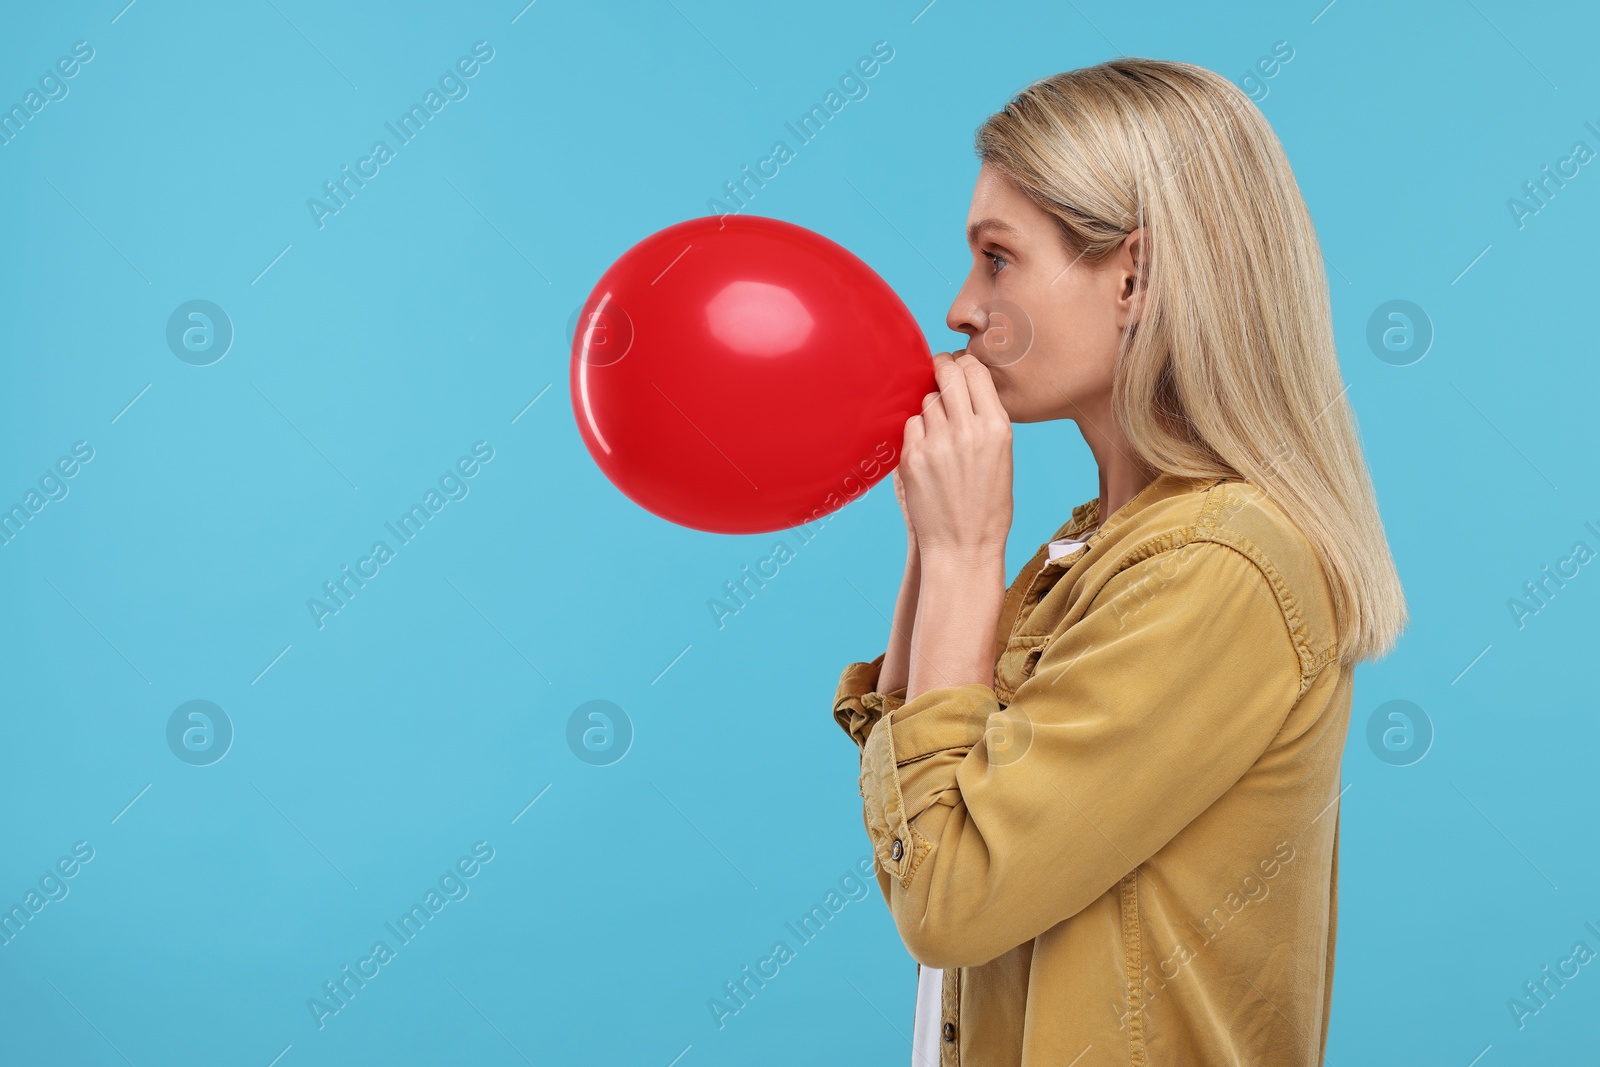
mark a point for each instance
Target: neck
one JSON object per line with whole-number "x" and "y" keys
{"x": 1121, "y": 476}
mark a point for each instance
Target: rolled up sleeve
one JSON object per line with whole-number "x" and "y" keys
{"x": 991, "y": 825}
{"x": 857, "y": 703}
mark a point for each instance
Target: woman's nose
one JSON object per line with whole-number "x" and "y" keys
{"x": 964, "y": 315}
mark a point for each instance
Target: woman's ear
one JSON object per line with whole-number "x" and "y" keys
{"x": 1132, "y": 266}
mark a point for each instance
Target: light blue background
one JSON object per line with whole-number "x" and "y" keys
{"x": 427, "y": 714}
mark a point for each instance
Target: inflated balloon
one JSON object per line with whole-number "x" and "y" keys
{"x": 744, "y": 374}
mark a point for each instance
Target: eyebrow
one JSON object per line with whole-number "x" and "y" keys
{"x": 990, "y": 224}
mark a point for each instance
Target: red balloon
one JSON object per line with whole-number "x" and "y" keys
{"x": 743, "y": 374}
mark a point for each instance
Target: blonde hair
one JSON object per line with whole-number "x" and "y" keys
{"x": 1231, "y": 370}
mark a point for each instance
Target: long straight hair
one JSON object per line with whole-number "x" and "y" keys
{"x": 1231, "y": 370}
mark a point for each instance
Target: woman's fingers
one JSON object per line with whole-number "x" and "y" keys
{"x": 952, "y": 379}
{"x": 963, "y": 393}
{"x": 933, "y": 412}
{"x": 980, "y": 387}
{"x": 915, "y": 430}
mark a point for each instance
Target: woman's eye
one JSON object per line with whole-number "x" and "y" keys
{"x": 996, "y": 260}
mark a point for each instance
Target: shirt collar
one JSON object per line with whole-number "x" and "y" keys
{"x": 1073, "y": 538}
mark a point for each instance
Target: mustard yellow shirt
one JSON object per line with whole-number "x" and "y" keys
{"x": 1125, "y": 850}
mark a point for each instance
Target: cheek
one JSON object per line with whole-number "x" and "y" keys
{"x": 1058, "y": 347}
{"x": 1076, "y": 343}
{"x": 1064, "y": 366}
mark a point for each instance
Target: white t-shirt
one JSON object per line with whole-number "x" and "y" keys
{"x": 930, "y": 980}
{"x": 925, "y": 1034}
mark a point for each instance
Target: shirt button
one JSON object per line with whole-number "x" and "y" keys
{"x": 949, "y": 1031}
{"x": 897, "y": 850}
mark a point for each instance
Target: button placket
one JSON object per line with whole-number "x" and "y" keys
{"x": 950, "y": 1012}
{"x": 1049, "y": 575}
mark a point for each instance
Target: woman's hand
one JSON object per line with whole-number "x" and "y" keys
{"x": 955, "y": 464}
{"x": 900, "y": 495}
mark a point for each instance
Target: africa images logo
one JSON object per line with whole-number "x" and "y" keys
{"x": 452, "y": 87}
{"x": 453, "y": 885}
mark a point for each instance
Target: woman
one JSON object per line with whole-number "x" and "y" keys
{"x": 1104, "y": 801}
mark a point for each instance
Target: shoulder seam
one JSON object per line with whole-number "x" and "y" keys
{"x": 1208, "y": 527}
{"x": 1205, "y": 531}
